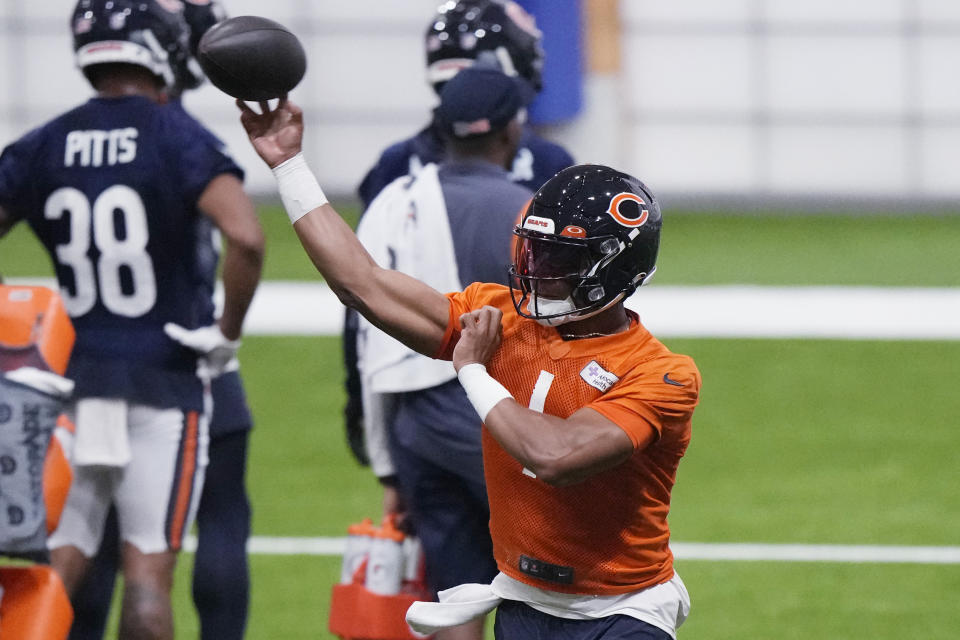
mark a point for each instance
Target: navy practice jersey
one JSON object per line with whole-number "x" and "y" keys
{"x": 537, "y": 160}
{"x": 110, "y": 189}
{"x": 230, "y": 410}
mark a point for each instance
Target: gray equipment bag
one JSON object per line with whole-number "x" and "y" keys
{"x": 27, "y": 421}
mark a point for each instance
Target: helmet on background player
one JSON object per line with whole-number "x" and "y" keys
{"x": 147, "y": 33}
{"x": 461, "y": 29}
{"x": 199, "y": 15}
{"x": 587, "y": 240}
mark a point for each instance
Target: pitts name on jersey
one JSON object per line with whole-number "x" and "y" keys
{"x": 93, "y": 148}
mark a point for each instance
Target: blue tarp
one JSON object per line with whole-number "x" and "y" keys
{"x": 562, "y": 95}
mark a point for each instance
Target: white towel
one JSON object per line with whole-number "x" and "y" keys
{"x": 406, "y": 228}
{"x": 102, "y": 438}
{"x": 457, "y": 605}
{"x": 664, "y": 606}
{"x": 43, "y": 381}
{"x": 377, "y": 407}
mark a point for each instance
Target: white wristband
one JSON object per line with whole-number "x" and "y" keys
{"x": 482, "y": 390}
{"x": 298, "y": 187}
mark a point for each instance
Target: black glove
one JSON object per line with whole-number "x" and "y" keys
{"x": 353, "y": 410}
{"x": 353, "y": 420}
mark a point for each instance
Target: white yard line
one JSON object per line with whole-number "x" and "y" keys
{"x": 734, "y": 311}
{"x": 801, "y": 312}
{"x": 261, "y": 545}
{"x": 815, "y": 553}
{"x": 282, "y": 308}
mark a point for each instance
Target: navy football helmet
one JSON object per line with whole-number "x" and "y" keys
{"x": 462, "y": 29}
{"x": 148, "y": 33}
{"x": 587, "y": 240}
{"x": 200, "y": 15}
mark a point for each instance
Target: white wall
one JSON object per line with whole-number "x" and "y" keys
{"x": 777, "y": 97}
{"x": 749, "y": 99}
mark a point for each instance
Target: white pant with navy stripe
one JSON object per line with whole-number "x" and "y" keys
{"x": 156, "y": 493}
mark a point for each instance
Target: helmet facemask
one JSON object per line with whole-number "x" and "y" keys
{"x": 559, "y": 279}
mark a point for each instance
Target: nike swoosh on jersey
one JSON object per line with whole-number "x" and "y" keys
{"x": 668, "y": 380}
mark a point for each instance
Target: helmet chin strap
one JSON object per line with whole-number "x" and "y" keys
{"x": 550, "y": 307}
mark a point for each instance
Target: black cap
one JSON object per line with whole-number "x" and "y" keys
{"x": 478, "y": 101}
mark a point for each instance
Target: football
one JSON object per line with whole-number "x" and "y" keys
{"x": 252, "y": 58}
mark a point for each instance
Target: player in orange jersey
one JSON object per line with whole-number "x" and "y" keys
{"x": 586, "y": 415}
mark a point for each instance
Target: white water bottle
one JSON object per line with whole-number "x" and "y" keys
{"x": 359, "y": 537}
{"x": 385, "y": 561}
{"x": 412, "y": 559}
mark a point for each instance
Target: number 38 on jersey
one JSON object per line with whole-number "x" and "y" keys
{"x": 120, "y": 271}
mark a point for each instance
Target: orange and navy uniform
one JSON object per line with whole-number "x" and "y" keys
{"x": 608, "y": 534}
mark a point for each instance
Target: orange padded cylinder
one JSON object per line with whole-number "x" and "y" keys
{"x": 35, "y": 316}
{"x": 57, "y": 478}
{"x": 35, "y": 605}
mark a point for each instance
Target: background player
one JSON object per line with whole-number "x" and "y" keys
{"x": 456, "y": 35}
{"x": 586, "y": 414}
{"x": 117, "y": 190}
{"x": 450, "y": 224}
{"x": 221, "y": 576}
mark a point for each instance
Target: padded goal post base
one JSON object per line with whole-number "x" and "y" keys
{"x": 358, "y": 614}
{"x": 34, "y": 605}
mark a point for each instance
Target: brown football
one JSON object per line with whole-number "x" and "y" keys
{"x": 252, "y": 58}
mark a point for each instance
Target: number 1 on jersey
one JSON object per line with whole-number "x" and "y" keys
{"x": 537, "y": 401}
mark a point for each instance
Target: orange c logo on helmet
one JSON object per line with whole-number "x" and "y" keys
{"x": 617, "y": 202}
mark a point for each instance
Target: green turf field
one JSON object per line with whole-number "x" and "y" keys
{"x": 795, "y": 441}
{"x": 699, "y": 248}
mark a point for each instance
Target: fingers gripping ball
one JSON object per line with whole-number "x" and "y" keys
{"x": 252, "y": 58}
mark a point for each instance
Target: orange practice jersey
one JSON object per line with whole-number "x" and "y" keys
{"x": 608, "y": 534}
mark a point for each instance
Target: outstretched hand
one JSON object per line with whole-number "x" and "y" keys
{"x": 277, "y": 134}
{"x": 480, "y": 335}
